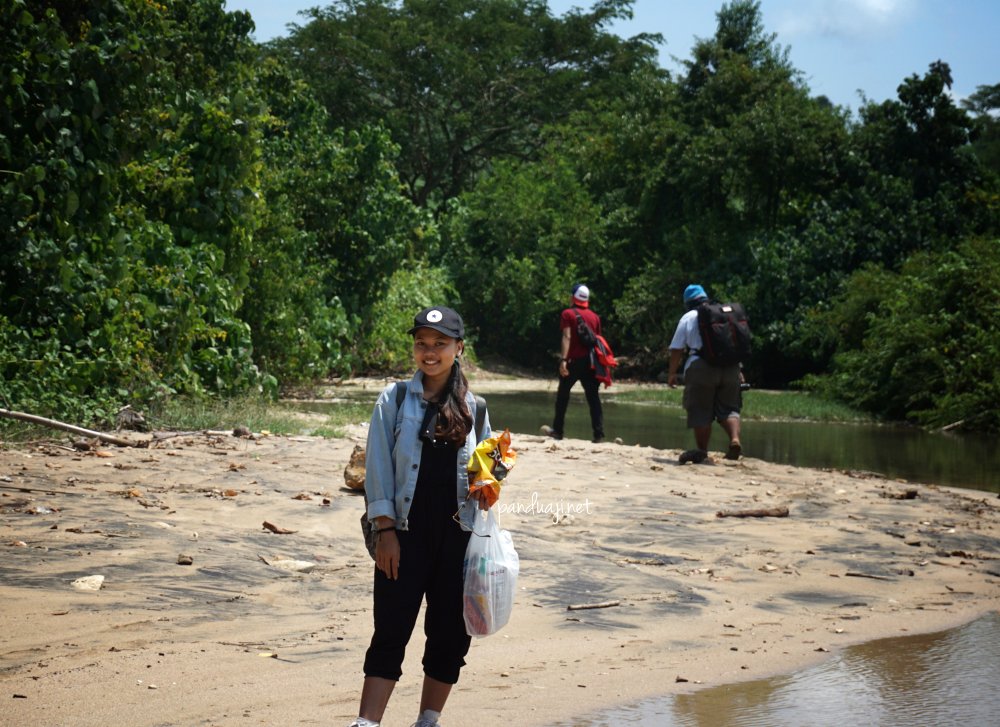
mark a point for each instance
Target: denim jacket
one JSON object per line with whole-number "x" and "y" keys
{"x": 392, "y": 457}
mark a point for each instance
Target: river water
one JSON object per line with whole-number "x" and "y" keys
{"x": 894, "y": 451}
{"x": 938, "y": 679}
{"x": 946, "y": 678}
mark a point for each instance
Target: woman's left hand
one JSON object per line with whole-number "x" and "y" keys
{"x": 480, "y": 495}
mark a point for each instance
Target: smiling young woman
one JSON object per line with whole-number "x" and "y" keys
{"x": 415, "y": 480}
{"x": 435, "y": 354}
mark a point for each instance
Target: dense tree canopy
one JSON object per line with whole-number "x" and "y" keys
{"x": 461, "y": 83}
{"x": 171, "y": 200}
{"x": 187, "y": 212}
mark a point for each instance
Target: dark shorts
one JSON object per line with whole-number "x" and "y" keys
{"x": 711, "y": 393}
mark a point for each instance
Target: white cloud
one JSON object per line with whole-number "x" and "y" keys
{"x": 846, "y": 19}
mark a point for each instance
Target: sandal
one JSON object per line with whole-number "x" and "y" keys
{"x": 693, "y": 455}
{"x": 735, "y": 451}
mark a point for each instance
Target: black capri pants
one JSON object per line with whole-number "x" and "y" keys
{"x": 432, "y": 554}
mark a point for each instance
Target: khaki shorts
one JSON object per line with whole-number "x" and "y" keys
{"x": 711, "y": 393}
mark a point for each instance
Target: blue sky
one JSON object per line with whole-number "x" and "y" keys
{"x": 841, "y": 46}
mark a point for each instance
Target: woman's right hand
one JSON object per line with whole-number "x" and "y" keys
{"x": 387, "y": 554}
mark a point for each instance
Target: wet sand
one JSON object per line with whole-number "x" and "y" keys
{"x": 234, "y": 639}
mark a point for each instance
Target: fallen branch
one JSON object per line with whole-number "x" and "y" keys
{"x": 766, "y": 512}
{"x": 584, "y": 606}
{"x": 52, "y": 423}
{"x": 160, "y": 436}
{"x": 867, "y": 575}
{"x": 46, "y": 490}
{"x": 238, "y": 432}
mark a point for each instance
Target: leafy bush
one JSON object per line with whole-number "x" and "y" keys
{"x": 514, "y": 247}
{"x": 387, "y": 346}
{"x": 929, "y": 347}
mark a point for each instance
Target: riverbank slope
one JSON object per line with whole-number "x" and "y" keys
{"x": 668, "y": 596}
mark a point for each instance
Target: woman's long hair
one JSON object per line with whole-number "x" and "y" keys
{"x": 454, "y": 418}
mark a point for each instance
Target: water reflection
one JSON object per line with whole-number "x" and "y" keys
{"x": 944, "y": 678}
{"x": 902, "y": 452}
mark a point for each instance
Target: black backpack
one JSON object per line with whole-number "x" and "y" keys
{"x": 725, "y": 333}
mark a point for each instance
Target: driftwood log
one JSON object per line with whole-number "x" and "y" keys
{"x": 765, "y": 512}
{"x": 52, "y": 423}
{"x": 585, "y": 606}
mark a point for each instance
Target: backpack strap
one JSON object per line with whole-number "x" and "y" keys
{"x": 402, "y": 388}
{"x": 582, "y": 326}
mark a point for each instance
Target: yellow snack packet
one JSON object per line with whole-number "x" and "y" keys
{"x": 489, "y": 464}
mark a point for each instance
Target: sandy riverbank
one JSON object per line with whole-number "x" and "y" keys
{"x": 702, "y": 600}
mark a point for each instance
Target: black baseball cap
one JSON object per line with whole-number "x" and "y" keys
{"x": 441, "y": 319}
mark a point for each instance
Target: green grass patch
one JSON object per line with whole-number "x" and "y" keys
{"x": 799, "y": 405}
{"x": 256, "y": 413}
{"x": 760, "y": 404}
{"x": 263, "y": 415}
{"x": 184, "y": 414}
{"x": 13, "y": 432}
{"x": 340, "y": 414}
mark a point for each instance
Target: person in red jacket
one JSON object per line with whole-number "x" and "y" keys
{"x": 574, "y": 364}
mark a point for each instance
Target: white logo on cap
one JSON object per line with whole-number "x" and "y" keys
{"x": 434, "y": 316}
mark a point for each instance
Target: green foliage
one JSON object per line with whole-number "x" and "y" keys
{"x": 923, "y": 344}
{"x": 648, "y": 309}
{"x": 517, "y": 243}
{"x": 461, "y": 83}
{"x": 187, "y": 214}
{"x": 336, "y": 229}
{"x": 919, "y": 137}
{"x": 388, "y": 346}
{"x": 128, "y": 202}
{"x": 984, "y": 104}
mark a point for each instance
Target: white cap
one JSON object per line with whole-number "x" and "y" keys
{"x": 581, "y": 293}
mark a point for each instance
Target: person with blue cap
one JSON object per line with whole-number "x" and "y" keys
{"x": 710, "y": 392}
{"x": 574, "y": 364}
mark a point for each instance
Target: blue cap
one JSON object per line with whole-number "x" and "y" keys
{"x": 693, "y": 293}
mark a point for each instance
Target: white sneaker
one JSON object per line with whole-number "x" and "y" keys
{"x": 427, "y": 718}
{"x": 362, "y": 722}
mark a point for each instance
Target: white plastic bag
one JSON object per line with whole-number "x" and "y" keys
{"x": 491, "y": 568}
